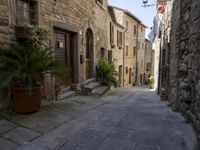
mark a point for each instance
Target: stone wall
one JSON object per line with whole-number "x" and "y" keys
{"x": 184, "y": 92}
{"x": 6, "y": 28}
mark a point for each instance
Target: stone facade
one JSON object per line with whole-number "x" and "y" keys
{"x": 141, "y": 55}
{"x": 148, "y": 61}
{"x": 184, "y": 64}
{"x": 133, "y": 33}
{"x": 117, "y": 53}
{"x": 73, "y": 19}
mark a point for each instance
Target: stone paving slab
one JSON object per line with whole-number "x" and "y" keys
{"x": 7, "y": 145}
{"x": 89, "y": 139}
{"x": 36, "y": 123}
{"x": 31, "y": 146}
{"x": 58, "y": 136}
{"x": 6, "y": 126}
{"x": 21, "y": 135}
{"x": 113, "y": 144}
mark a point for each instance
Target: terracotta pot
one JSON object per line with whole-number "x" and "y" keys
{"x": 163, "y": 97}
{"x": 76, "y": 87}
{"x": 25, "y": 102}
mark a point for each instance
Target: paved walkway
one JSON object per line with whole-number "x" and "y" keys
{"x": 128, "y": 119}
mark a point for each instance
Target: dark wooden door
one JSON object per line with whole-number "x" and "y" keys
{"x": 130, "y": 75}
{"x": 88, "y": 58}
{"x": 63, "y": 51}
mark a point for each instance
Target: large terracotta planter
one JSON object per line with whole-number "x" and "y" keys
{"x": 26, "y": 102}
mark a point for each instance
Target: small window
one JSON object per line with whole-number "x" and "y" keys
{"x": 138, "y": 45}
{"x": 134, "y": 51}
{"x": 102, "y": 52}
{"x": 110, "y": 56}
{"x": 127, "y": 24}
{"x": 111, "y": 34}
{"x": 119, "y": 39}
{"x": 26, "y": 12}
{"x": 135, "y": 29}
{"x": 126, "y": 50}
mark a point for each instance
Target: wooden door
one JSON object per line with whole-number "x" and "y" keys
{"x": 130, "y": 75}
{"x": 63, "y": 52}
{"x": 88, "y": 54}
{"x": 120, "y": 75}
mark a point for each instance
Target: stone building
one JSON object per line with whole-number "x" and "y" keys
{"x": 184, "y": 65}
{"x": 165, "y": 45}
{"x": 148, "y": 60}
{"x": 78, "y": 37}
{"x": 141, "y": 55}
{"x": 133, "y": 33}
{"x": 116, "y": 53}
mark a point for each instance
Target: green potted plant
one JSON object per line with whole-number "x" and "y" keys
{"x": 151, "y": 82}
{"x": 106, "y": 74}
{"x": 163, "y": 94}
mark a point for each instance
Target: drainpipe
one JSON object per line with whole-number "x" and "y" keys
{"x": 137, "y": 37}
{"x": 124, "y": 54}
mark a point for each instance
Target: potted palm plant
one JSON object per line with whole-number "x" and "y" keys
{"x": 22, "y": 70}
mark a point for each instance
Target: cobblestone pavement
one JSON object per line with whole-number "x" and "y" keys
{"x": 127, "y": 119}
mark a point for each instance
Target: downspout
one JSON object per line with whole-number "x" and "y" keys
{"x": 136, "y": 76}
{"x": 124, "y": 54}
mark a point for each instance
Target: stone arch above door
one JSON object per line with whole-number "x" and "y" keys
{"x": 89, "y": 29}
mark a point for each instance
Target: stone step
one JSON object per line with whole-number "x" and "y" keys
{"x": 66, "y": 94}
{"x": 88, "y": 81}
{"x": 92, "y": 85}
{"x": 87, "y": 88}
{"x": 100, "y": 91}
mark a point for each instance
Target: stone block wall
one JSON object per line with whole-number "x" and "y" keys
{"x": 184, "y": 92}
{"x": 6, "y": 28}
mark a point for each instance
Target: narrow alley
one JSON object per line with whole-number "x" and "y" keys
{"x": 126, "y": 119}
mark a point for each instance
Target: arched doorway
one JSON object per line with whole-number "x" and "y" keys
{"x": 89, "y": 52}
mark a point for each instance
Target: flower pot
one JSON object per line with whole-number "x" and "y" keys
{"x": 76, "y": 87}
{"x": 26, "y": 102}
{"x": 163, "y": 97}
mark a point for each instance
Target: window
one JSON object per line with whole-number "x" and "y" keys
{"x": 102, "y": 52}
{"x": 134, "y": 51}
{"x": 111, "y": 34}
{"x": 135, "y": 29}
{"x": 142, "y": 45}
{"x": 126, "y": 50}
{"x": 141, "y": 29}
{"x": 110, "y": 56}
{"x": 127, "y": 24}
{"x": 26, "y": 12}
{"x": 100, "y": 2}
{"x": 138, "y": 45}
{"x": 119, "y": 39}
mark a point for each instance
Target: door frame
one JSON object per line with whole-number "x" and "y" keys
{"x": 89, "y": 25}
{"x": 68, "y": 54}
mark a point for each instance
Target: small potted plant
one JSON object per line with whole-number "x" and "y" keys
{"x": 163, "y": 94}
